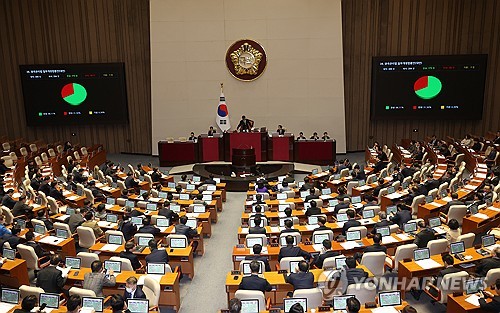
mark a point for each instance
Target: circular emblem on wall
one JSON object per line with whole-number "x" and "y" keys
{"x": 246, "y": 60}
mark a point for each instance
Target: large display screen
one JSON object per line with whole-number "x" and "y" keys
{"x": 69, "y": 94}
{"x": 428, "y": 87}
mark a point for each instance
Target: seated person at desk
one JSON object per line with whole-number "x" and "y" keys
{"x": 28, "y": 304}
{"x": 383, "y": 222}
{"x": 358, "y": 173}
{"x": 30, "y": 242}
{"x": 211, "y": 131}
{"x": 128, "y": 254}
{"x": 314, "y": 136}
{"x": 289, "y": 178}
{"x": 303, "y": 279}
{"x": 76, "y": 219}
{"x": 257, "y": 249}
{"x": 254, "y": 282}
{"x": 301, "y": 136}
{"x": 311, "y": 195}
{"x": 494, "y": 305}
{"x": 397, "y": 175}
{"x": 7, "y": 199}
{"x": 21, "y": 208}
{"x": 321, "y": 224}
{"x": 46, "y": 221}
{"x": 261, "y": 188}
{"x": 454, "y": 201}
{"x": 280, "y": 130}
{"x": 258, "y": 199}
{"x": 210, "y": 180}
{"x": 307, "y": 184}
{"x": 343, "y": 204}
{"x": 78, "y": 176}
{"x": 183, "y": 229}
{"x": 381, "y": 184}
{"x": 3, "y": 230}
{"x": 454, "y": 231}
{"x": 430, "y": 182}
{"x": 354, "y": 275}
{"x": 98, "y": 195}
{"x": 258, "y": 212}
{"x": 147, "y": 228}
{"x": 326, "y": 252}
{"x": 132, "y": 291}
{"x": 425, "y": 235}
{"x": 487, "y": 264}
{"x": 353, "y": 305}
{"x": 199, "y": 199}
{"x": 325, "y": 136}
{"x": 192, "y": 137}
{"x": 74, "y": 304}
{"x": 50, "y": 278}
{"x": 55, "y": 193}
{"x": 376, "y": 247}
{"x": 4, "y": 168}
{"x": 118, "y": 304}
{"x": 448, "y": 261}
{"x": 284, "y": 187}
{"x": 164, "y": 209}
{"x": 89, "y": 222}
{"x": 98, "y": 279}
{"x": 352, "y": 222}
{"x": 156, "y": 255}
{"x": 100, "y": 212}
{"x": 402, "y": 216}
{"x": 313, "y": 209}
{"x": 257, "y": 229}
{"x": 290, "y": 250}
{"x": 156, "y": 175}
{"x": 289, "y": 227}
{"x": 127, "y": 227}
{"x": 130, "y": 181}
{"x": 14, "y": 237}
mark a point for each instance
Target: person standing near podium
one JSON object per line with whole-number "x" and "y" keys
{"x": 280, "y": 130}
{"x": 245, "y": 124}
{"x": 211, "y": 131}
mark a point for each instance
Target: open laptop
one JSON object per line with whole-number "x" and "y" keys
{"x": 111, "y": 218}
{"x": 435, "y": 224}
{"x": 489, "y": 243}
{"x": 62, "y": 233}
{"x": 183, "y": 196}
{"x": 39, "y": 229}
{"x": 283, "y": 241}
{"x": 342, "y": 217}
{"x": 281, "y": 196}
{"x": 21, "y": 223}
{"x": 250, "y": 306}
{"x": 115, "y": 266}
{"x": 326, "y": 191}
{"x": 361, "y": 183}
{"x": 138, "y": 305}
{"x": 356, "y": 199}
{"x": 319, "y": 238}
{"x": 283, "y": 207}
{"x": 289, "y": 302}
{"x": 410, "y": 228}
{"x": 247, "y": 271}
{"x": 136, "y": 220}
{"x": 110, "y": 201}
{"x": 190, "y": 187}
{"x": 429, "y": 199}
{"x": 175, "y": 208}
{"x": 384, "y": 231}
{"x": 129, "y": 204}
{"x": 389, "y": 298}
{"x": 155, "y": 269}
{"x": 250, "y": 242}
{"x": 142, "y": 243}
{"x": 421, "y": 254}
{"x": 51, "y": 300}
{"x": 207, "y": 198}
{"x": 171, "y": 185}
{"x": 333, "y": 202}
{"x": 312, "y": 220}
{"x": 9, "y": 254}
{"x": 211, "y": 188}
{"x": 340, "y": 263}
{"x": 70, "y": 211}
{"x": 368, "y": 214}
{"x": 199, "y": 208}
{"x": 192, "y": 222}
{"x": 92, "y": 302}
{"x": 391, "y": 190}
{"x": 474, "y": 285}
{"x": 304, "y": 193}
{"x": 353, "y": 235}
{"x": 391, "y": 209}
{"x": 151, "y": 207}
{"x": 457, "y": 248}
{"x": 405, "y": 185}
{"x": 178, "y": 243}
{"x": 314, "y": 171}
{"x": 115, "y": 239}
{"x": 162, "y": 195}
{"x": 74, "y": 263}
{"x": 10, "y": 296}
{"x": 196, "y": 179}
{"x": 340, "y": 302}
{"x": 162, "y": 222}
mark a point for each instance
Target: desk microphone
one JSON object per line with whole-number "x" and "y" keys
{"x": 42, "y": 307}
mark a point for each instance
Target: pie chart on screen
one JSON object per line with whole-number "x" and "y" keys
{"x": 427, "y": 87}
{"x": 74, "y": 93}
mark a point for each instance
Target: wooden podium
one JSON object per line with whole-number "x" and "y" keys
{"x": 243, "y": 157}
{"x": 255, "y": 140}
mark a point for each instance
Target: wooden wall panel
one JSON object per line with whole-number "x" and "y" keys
{"x": 77, "y": 31}
{"x": 416, "y": 27}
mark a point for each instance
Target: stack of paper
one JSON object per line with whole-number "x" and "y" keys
{"x": 192, "y": 215}
{"x": 275, "y": 229}
{"x": 473, "y": 299}
{"x": 386, "y": 309}
{"x": 51, "y": 240}
{"x": 428, "y": 264}
{"x": 110, "y": 247}
{"x": 388, "y": 239}
{"x": 244, "y": 230}
{"x": 403, "y": 237}
{"x": 348, "y": 245}
{"x": 318, "y": 247}
{"x": 311, "y": 227}
{"x": 481, "y": 216}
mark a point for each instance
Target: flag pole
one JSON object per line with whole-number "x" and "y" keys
{"x": 221, "y": 87}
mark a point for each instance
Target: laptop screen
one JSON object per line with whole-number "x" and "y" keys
{"x": 10, "y": 254}
{"x": 115, "y": 239}
{"x": 184, "y": 196}
{"x": 111, "y": 218}
{"x": 73, "y": 262}
{"x": 304, "y": 193}
{"x": 333, "y": 202}
{"x": 384, "y": 231}
{"x": 362, "y": 183}
{"x": 281, "y": 196}
{"x": 429, "y": 199}
{"x": 368, "y": 213}
{"x": 179, "y": 243}
{"x": 289, "y": 302}
{"x": 129, "y": 204}
{"x": 314, "y": 171}
{"x": 356, "y": 199}
{"x": 250, "y": 306}
{"x": 196, "y": 179}
{"x": 39, "y": 229}
{"x": 340, "y": 263}
{"x": 391, "y": 298}
{"x": 405, "y": 184}
{"x": 136, "y": 220}
{"x": 171, "y": 185}
{"x": 353, "y": 235}
{"x": 111, "y": 201}
{"x": 143, "y": 241}
{"x": 319, "y": 238}
{"x": 410, "y": 227}
{"x": 217, "y": 180}
{"x": 138, "y": 305}
{"x": 253, "y": 241}
{"x": 21, "y": 223}
{"x": 151, "y": 206}
{"x": 391, "y": 209}
{"x": 340, "y": 302}
{"x": 248, "y": 271}
{"x": 211, "y": 188}
{"x": 283, "y": 240}
{"x": 312, "y": 220}
{"x": 62, "y": 233}
{"x": 50, "y": 299}
{"x": 294, "y": 266}
{"x": 326, "y": 191}
{"x": 70, "y": 211}
{"x": 10, "y": 296}
{"x": 94, "y": 303}
{"x": 115, "y": 266}
{"x": 206, "y": 198}
{"x": 162, "y": 222}
{"x": 434, "y": 222}
{"x": 175, "y": 208}
{"x": 421, "y": 254}
{"x": 488, "y": 240}
{"x": 199, "y": 208}
{"x": 342, "y": 217}
{"x": 457, "y": 247}
{"x": 156, "y": 268}
{"x": 142, "y": 192}
{"x": 191, "y": 222}
{"x": 391, "y": 189}
{"x": 190, "y": 187}
{"x": 307, "y": 205}
{"x": 474, "y": 285}
{"x": 162, "y": 195}
{"x": 281, "y": 178}
{"x": 282, "y": 207}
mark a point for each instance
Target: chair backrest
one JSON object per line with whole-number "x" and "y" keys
{"x": 9, "y": 217}
{"x": 81, "y": 292}
{"x": 175, "y": 236}
{"x": 151, "y": 289}
{"x": 136, "y": 236}
{"x": 314, "y": 296}
{"x": 407, "y": 180}
{"x": 59, "y": 225}
{"x": 59, "y": 149}
{"x": 44, "y": 157}
{"x": 396, "y": 184}
{"x": 457, "y": 212}
{"x": 114, "y": 232}
{"x": 492, "y": 276}
{"x": 449, "y": 284}
{"x": 351, "y": 185}
{"x": 329, "y": 263}
{"x": 24, "y": 151}
{"x": 25, "y": 291}
{"x": 371, "y": 178}
{"x": 121, "y": 185}
{"x": 33, "y": 147}
{"x": 433, "y": 193}
{"x": 285, "y": 262}
{"x": 121, "y": 201}
{"x": 414, "y": 205}
{"x": 375, "y": 262}
{"x": 242, "y": 264}
{"x": 383, "y": 173}
{"x": 442, "y": 187}
{"x": 382, "y": 192}
{"x": 148, "y": 179}
{"x": 35, "y": 221}
{"x": 89, "y": 195}
{"x": 394, "y": 228}
{"x": 38, "y": 161}
{"x": 459, "y": 159}
{"x": 52, "y": 204}
{"x": 87, "y": 258}
{"x": 403, "y": 252}
{"x": 8, "y": 161}
{"x": 86, "y": 236}
{"x": 264, "y": 237}
{"x": 437, "y": 246}
{"x": 251, "y": 295}
{"x": 109, "y": 180}
{"x": 13, "y": 156}
{"x": 365, "y": 292}
{"x": 28, "y": 253}
{"x": 126, "y": 264}
{"x": 6, "y": 146}
{"x": 84, "y": 151}
{"x": 362, "y": 229}
{"x": 323, "y": 232}
{"x": 468, "y": 239}
{"x": 51, "y": 152}
{"x": 344, "y": 172}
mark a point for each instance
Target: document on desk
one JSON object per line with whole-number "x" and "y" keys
{"x": 470, "y": 187}
{"x": 388, "y": 239}
{"x": 394, "y": 195}
{"x": 365, "y": 187}
{"x": 154, "y": 199}
{"x": 473, "y": 299}
{"x": 6, "y": 307}
{"x": 62, "y": 217}
{"x": 318, "y": 247}
{"x": 481, "y": 216}
{"x": 386, "y": 309}
{"x": 275, "y": 229}
{"x": 340, "y": 224}
{"x": 110, "y": 247}
{"x": 72, "y": 198}
{"x": 428, "y": 264}
{"x": 107, "y": 224}
{"x": 330, "y": 209}
{"x": 192, "y": 215}
{"x": 403, "y": 237}
{"x": 435, "y": 204}
{"x": 348, "y": 245}
{"x": 447, "y": 199}
{"x": 492, "y": 247}
{"x": 494, "y": 209}
{"x": 281, "y": 214}
{"x": 244, "y": 230}
{"x": 51, "y": 240}
{"x": 311, "y": 227}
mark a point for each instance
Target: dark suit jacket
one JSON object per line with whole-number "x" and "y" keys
{"x": 423, "y": 237}
{"x": 320, "y": 258}
{"x": 301, "y": 280}
{"x": 187, "y": 231}
{"x": 448, "y": 270}
{"x": 157, "y": 256}
{"x": 380, "y": 224}
{"x": 339, "y": 207}
{"x": 311, "y": 197}
{"x": 50, "y": 279}
{"x": 134, "y": 260}
{"x": 257, "y": 230}
{"x": 130, "y": 182}
{"x": 12, "y": 240}
{"x": 349, "y": 224}
{"x": 260, "y": 258}
{"x": 376, "y": 248}
{"x": 493, "y": 306}
{"x": 431, "y": 184}
{"x": 155, "y": 177}
{"x": 448, "y": 205}
{"x": 149, "y": 229}
{"x": 487, "y": 264}
{"x": 8, "y": 202}
{"x": 38, "y": 249}
{"x": 291, "y": 251}
{"x": 313, "y": 211}
{"x": 355, "y": 275}
{"x": 165, "y": 212}
{"x": 254, "y": 282}
{"x": 20, "y": 209}
{"x": 128, "y": 229}
{"x": 291, "y": 230}
{"x": 139, "y": 294}
{"x": 401, "y": 218}
{"x": 56, "y": 194}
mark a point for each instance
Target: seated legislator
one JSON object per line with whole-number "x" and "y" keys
{"x": 354, "y": 275}
{"x": 326, "y": 252}
{"x": 50, "y": 278}
{"x": 257, "y": 229}
{"x": 352, "y": 222}
{"x": 321, "y": 224}
{"x": 132, "y": 291}
{"x": 313, "y": 209}
{"x": 383, "y": 222}
{"x": 303, "y": 279}
{"x": 254, "y": 282}
{"x": 27, "y": 304}
{"x": 312, "y": 195}
{"x": 487, "y": 264}
{"x": 90, "y": 222}
{"x": 425, "y": 235}
{"x": 257, "y": 249}
{"x": 147, "y": 228}
{"x": 128, "y": 254}
{"x": 376, "y": 247}
{"x": 494, "y": 305}
{"x": 301, "y": 137}
{"x": 156, "y": 255}
{"x": 127, "y": 227}
{"x": 402, "y": 216}
{"x": 289, "y": 227}
{"x": 291, "y": 251}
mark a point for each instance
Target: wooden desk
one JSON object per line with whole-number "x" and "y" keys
{"x": 459, "y": 305}
{"x": 177, "y": 153}
{"x": 280, "y": 148}
{"x": 315, "y": 152}
{"x": 65, "y": 247}
{"x": 472, "y": 224}
{"x": 14, "y": 273}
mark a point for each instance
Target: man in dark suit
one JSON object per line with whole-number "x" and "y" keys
{"x": 164, "y": 210}
{"x": 326, "y": 252}
{"x": 244, "y": 125}
{"x": 210, "y": 180}
{"x": 55, "y": 193}
{"x": 128, "y": 254}
{"x": 311, "y": 195}
{"x": 289, "y": 227}
{"x": 257, "y": 249}
{"x": 21, "y": 208}
{"x": 7, "y": 200}
{"x": 431, "y": 183}
{"x": 132, "y": 291}
{"x": 409, "y": 171}
{"x": 50, "y": 278}
{"x": 381, "y": 184}
{"x": 321, "y": 224}
{"x": 402, "y": 216}
{"x": 147, "y": 228}
{"x": 127, "y": 228}
{"x": 289, "y": 178}
{"x": 354, "y": 275}
{"x": 397, "y": 175}
{"x": 351, "y": 222}
{"x": 291, "y": 251}
{"x": 254, "y": 282}
{"x": 383, "y": 222}
{"x": 156, "y": 255}
{"x": 313, "y": 209}
{"x": 130, "y": 181}
{"x": 257, "y": 229}
{"x": 45, "y": 186}
{"x": 376, "y": 247}
{"x": 494, "y": 305}
{"x": 448, "y": 262}
{"x": 302, "y": 279}
{"x": 487, "y": 264}
{"x": 307, "y": 184}
{"x": 30, "y": 242}
{"x": 424, "y": 235}
{"x": 78, "y": 176}
{"x": 454, "y": 201}
{"x": 13, "y": 238}
{"x": 343, "y": 204}
{"x": 358, "y": 173}
{"x": 48, "y": 223}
